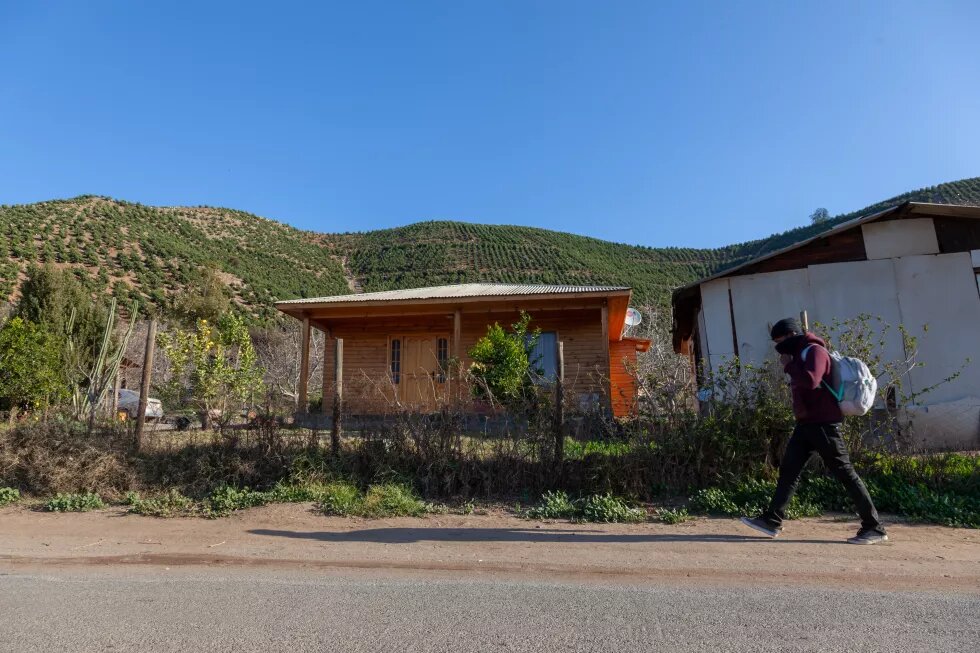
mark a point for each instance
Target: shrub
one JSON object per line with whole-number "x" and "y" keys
{"x": 341, "y": 499}
{"x": 673, "y": 515}
{"x": 226, "y": 499}
{"x": 607, "y": 508}
{"x": 74, "y": 502}
{"x": 393, "y": 500}
{"x": 8, "y": 495}
{"x": 595, "y": 508}
{"x": 554, "y": 505}
{"x": 171, "y": 504}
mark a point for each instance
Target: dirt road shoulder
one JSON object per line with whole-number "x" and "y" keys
{"x": 712, "y": 551}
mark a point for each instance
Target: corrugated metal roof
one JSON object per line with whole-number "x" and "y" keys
{"x": 957, "y": 210}
{"x": 459, "y": 290}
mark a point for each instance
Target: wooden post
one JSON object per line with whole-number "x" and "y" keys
{"x": 325, "y": 407}
{"x": 304, "y": 369}
{"x": 338, "y": 394}
{"x": 151, "y": 336}
{"x": 456, "y": 370}
{"x": 559, "y": 425}
{"x": 804, "y": 320}
{"x": 114, "y": 404}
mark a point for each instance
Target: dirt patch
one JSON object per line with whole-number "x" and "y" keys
{"x": 712, "y": 551}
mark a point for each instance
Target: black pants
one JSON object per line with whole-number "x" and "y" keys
{"x": 826, "y": 440}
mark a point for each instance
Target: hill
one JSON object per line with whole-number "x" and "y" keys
{"x": 152, "y": 253}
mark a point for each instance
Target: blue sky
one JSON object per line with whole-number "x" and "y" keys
{"x": 687, "y": 123}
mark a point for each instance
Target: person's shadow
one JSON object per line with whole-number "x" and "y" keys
{"x": 546, "y": 535}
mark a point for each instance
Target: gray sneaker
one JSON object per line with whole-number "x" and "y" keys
{"x": 761, "y": 525}
{"x": 868, "y": 537}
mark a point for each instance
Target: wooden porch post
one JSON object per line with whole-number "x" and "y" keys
{"x": 338, "y": 394}
{"x": 456, "y": 373}
{"x": 559, "y": 425}
{"x": 304, "y": 368}
{"x": 457, "y": 333}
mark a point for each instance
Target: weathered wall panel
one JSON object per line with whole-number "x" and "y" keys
{"x": 717, "y": 322}
{"x": 940, "y": 291}
{"x": 847, "y": 290}
{"x": 760, "y": 300}
{"x": 894, "y": 238}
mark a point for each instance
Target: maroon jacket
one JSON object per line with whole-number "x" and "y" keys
{"x": 812, "y": 403}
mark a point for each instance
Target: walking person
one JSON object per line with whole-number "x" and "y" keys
{"x": 818, "y": 418}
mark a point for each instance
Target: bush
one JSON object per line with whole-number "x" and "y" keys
{"x": 171, "y": 504}
{"x": 673, "y": 515}
{"x": 226, "y": 499}
{"x": 554, "y": 505}
{"x": 74, "y": 502}
{"x": 393, "y": 500}
{"x": 604, "y": 508}
{"x": 8, "y": 495}
{"x": 749, "y": 497}
{"x": 341, "y": 499}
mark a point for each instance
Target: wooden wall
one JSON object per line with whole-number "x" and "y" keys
{"x": 622, "y": 379}
{"x": 367, "y": 383}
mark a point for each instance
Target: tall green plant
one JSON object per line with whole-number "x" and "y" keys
{"x": 94, "y": 377}
{"x": 31, "y": 375}
{"x": 214, "y": 366}
{"x": 502, "y": 363}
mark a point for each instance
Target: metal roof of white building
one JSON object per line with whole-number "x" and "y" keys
{"x": 456, "y": 291}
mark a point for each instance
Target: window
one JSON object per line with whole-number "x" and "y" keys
{"x": 544, "y": 357}
{"x": 396, "y": 360}
{"x": 442, "y": 355}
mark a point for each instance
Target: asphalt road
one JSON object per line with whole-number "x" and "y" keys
{"x": 151, "y": 609}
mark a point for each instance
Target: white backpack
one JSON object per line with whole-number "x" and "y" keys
{"x": 858, "y": 386}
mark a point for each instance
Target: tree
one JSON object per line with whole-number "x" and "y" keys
{"x": 30, "y": 368}
{"x": 206, "y": 297}
{"x": 502, "y": 364}
{"x": 819, "y": 216}
{"x": 215, "y": 364}
{"x": 278, "y": 352}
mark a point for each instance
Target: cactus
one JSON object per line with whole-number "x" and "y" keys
{"x": 88, "y": 396}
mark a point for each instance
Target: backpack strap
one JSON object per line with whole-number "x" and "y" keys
{"x": 839, "y": 394}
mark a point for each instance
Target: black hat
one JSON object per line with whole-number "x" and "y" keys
{"x": 785, "y": 327}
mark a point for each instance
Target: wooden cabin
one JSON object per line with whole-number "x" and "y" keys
{"x": 395, "y": 345}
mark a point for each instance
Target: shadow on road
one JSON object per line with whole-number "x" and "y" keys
{"x": 412, "y": 535}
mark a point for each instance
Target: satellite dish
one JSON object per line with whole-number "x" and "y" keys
{"x": 633, "y": 317}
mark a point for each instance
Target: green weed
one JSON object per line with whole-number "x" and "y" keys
{"x": 673, "y": 515}
{"x": 607, "y": 508}
{"x": 74, "y": 502}
{"x": 226, "y": 499}
{"x": 341, "y": 499}
{"x": 594, "y": 508}
{"x": 171, "y": 504}
{"x": 554, "y": 505}
{"x": 8, "y": 495}
{"x": 392, "y": 500}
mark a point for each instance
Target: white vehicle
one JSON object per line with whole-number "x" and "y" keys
{"x": 129, "y": 402}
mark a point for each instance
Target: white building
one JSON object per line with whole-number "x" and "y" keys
{"x": 915, "y": 264}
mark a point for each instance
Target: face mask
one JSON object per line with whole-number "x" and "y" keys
{"x": 789, "y": 345}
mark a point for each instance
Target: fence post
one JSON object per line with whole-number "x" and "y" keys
{"x": 338, "y": 394}
{"x": 559, "y": 424}
{"x": 151, "y": 337}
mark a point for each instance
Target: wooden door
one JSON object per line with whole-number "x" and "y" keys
{"x": 423, "y": 383}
